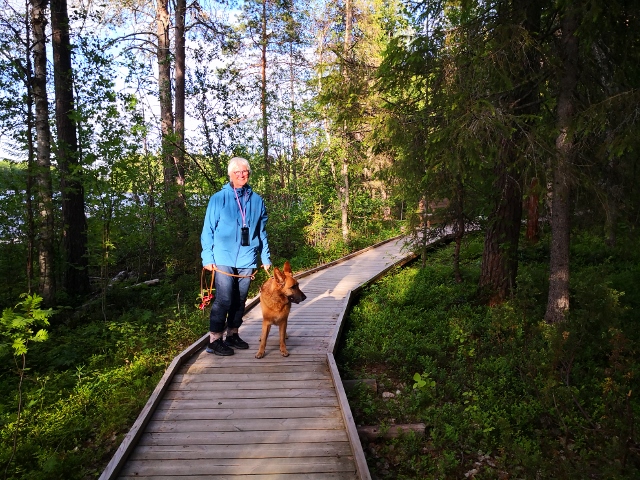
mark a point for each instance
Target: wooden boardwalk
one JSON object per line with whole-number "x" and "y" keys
{"x": 274, "y": 418}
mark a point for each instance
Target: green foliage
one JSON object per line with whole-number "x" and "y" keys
{"x": 501, "y": 391}
{"x": 86, "y": 385}
{"x": 18, "y": 328}
{"x": 13, "y": 251}
{"x": 423, "y": 381}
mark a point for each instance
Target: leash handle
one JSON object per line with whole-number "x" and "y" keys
{"x": 206, "y": 299}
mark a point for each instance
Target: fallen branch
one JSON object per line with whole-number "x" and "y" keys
{"x": 393, "y": 431}
{"x": 369, "y": 382}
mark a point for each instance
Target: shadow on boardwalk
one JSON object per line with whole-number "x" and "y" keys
{"x": 232, "y": 417}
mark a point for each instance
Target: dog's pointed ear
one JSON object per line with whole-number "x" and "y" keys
{"x": 278, "y": 275}
{"x": 287, "y": 267}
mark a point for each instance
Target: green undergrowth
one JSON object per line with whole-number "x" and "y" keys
{"x": 85, "y": 385}
{"x": 502, "y": 394}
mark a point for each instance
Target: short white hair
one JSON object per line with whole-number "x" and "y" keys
{"x": 238, "y": 162}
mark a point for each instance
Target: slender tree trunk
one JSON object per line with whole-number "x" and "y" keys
{"x": 76, "y": 279}
{"x": 425, "y": 225}
{"x": 166, "y": 105}
{"x": 343, "y": 190}
{"x": 499, "y": 261}
{"x": 151, "y": 208}
{"x": 533, "y": 9}
{"x": 459, "y": 229}
{"x": 179, "y": 151}
{"x": 611, "y": 201}
{"x": 180, "y": 69}
{"x": 263, "y": 87}
{"x": 558, "y": 299}
{"x": 348, "y": 26}
{"x": 294, "y": 123}
{"x": 533, "y": 201}
{"x": 31, "y": 227}
{"x": 344, "y": 198}
{"x": 44, "y": 189}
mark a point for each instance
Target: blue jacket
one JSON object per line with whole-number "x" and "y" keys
{"x": 220, "y": 237}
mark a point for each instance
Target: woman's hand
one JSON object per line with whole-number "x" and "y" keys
{"x": 209, "y": 267}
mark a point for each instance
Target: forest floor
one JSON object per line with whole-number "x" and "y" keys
{"x": 501, "y": 393}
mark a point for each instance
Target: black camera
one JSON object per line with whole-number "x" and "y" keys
{"x": 244, "y": 237}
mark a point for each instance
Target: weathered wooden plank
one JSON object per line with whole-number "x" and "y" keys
{"x": 259, "y": 368}
{"x": 245, "y": 425}
{"x": 240, "y": 466}
{"x": 328, "y": 313}
{"x": 255, "y": 450}
{"x": 296, "y": 330}
{"x": 313, "y": 343}
{"x": 276, "y": 364}
{"x": 268, "y": 411}
{"x": 274, "y": 476}
{"x": 221, "y": 395}
{"x": 256, "y": 385}
{"x": 246, "y": 357}
{"x": 265, "y": 402}
{"x": 239, "y": 438}
{"x": 250, "y": 377}
{"x": 247, "y": 403}
{"x": 300, "y": 324}
{"x": 294, "y": 350}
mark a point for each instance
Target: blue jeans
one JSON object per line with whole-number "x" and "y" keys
{"x": 230, "y": 298}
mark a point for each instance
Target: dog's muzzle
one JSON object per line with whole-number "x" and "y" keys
{"x": 297, "y": 299}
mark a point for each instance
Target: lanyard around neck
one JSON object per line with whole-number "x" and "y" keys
{"x": 242, "y": 212}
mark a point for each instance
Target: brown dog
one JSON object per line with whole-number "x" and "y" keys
{"x": 276, "y": 296}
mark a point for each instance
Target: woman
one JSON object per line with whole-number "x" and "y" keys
{"x": 233, "y": 236}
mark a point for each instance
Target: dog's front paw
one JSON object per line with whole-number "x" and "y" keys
{"x": 284, "y": 353}
{"x": 260, "y": 354}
